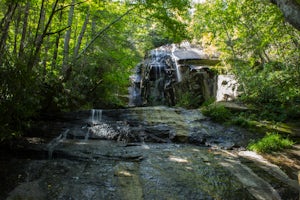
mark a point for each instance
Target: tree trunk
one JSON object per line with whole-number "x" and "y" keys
{"x": 34, "y": 56}
{"x": 17, "y": 29}
{"x": 40, "y": 25}
{"x": 290, "y": 10}
{"x": 24, "y": 30}
{"x": 55, "y": 51}
{"x": 103, "y": 31}
{"x": 66, "y": 69}
{"x": 4, "y": 27}
{"x": 79, "y": 40}
{"x": 46, "y": 58}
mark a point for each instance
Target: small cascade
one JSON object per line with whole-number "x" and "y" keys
{"x": 102, "y": 131}
{"x": 134, "y": 91}
{"x": 53, "y": 143}
{"x": 96, "y": 116}
{"x": 98, "y": 128}
{"x": 178, "y": 73}
{"x": 95, "y": 120}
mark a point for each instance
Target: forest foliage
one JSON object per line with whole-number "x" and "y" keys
{"x": 71, "y": 54}
{"x": 256, "y": 45}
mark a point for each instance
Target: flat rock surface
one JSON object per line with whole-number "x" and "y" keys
{"x": 111, "y": 170}
{"x": 127, "y": 164}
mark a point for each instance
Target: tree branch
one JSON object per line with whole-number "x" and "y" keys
{"x": 61, "y": 8}
{"x": 103, "y": 31}
{"x": 51, "y": 33}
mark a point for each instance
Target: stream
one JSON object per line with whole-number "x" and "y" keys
{"x": 140, "y": 153}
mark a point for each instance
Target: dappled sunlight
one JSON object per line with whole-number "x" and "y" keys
{"x": 82, "y": 143}
{"x": 258, "y": 187}
{"x": 35, "y": 140}
{"x": 178, "y": 159}
{"x": 124, "y": 173}
{"x": 251, "y": 154}
{"x": 145, "y": 146}
{"x": 229, "y": 153}
{"x": 169, "y": 99}
{"x": 270, "y": 167}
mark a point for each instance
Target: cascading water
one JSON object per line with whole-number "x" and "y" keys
{"x": 96, "y": 116}
{"x": 95, "y": 119}
{"x": 99, "y": 128}
{"x": 178, "y": 73}
{"x": 173, "y": 72}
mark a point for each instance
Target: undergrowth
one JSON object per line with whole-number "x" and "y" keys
{"x": 217, "y": 112}
{"x": 254, "y": 122}
{"x": 270, "y": 143}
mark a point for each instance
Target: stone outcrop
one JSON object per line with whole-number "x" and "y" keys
{"x": 177, "y": 73}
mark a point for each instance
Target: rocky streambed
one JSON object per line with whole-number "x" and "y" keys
{"x": 140, "y": 153}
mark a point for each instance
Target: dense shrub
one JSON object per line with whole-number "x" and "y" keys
{"x": 271, "y": 142}
{"x": 188, "y": 100}
{"x": 242, "y": 121}
{"x": 217, "y": 112}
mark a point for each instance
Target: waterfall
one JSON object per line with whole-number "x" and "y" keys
{"x": 178, "y": 73}
{"x": 168, "y": 72}
{"x": 96, "y": 116}
{"x": 95, "y": 119}
{"x": 134, "y": 90}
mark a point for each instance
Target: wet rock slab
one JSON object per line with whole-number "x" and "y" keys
{"x": 140, "y": 153}
{"x": 110, "y": 170}
{"x": 148, "y": 124}
{"x": 98, "y": 169}
{"x": 163, "y": 124}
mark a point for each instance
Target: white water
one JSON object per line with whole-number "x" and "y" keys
{"x": 103, "y": 130}
{"x": 178, "y": 73}
{"x": 157, "y": 64}
{"x": 96, "y": 116}
{"x": 95, "y": 119}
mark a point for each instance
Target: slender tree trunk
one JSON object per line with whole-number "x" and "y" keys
{"x": 34, "y": 56}
{"x": 40, "y": 24}
{"x": 45, "y": 58}
{"x": 93, "y": 27}
{"x": 55, "y": 51}
{"x": 5, "y": 23}
{"x": 79, "y": 40}
{"x": 17, "y": 28}
{"x": 103, "y": 31}
{"x": 66, "y": 69}
{"x": 24, "y": 30}
{"x": 5, "y": 15}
